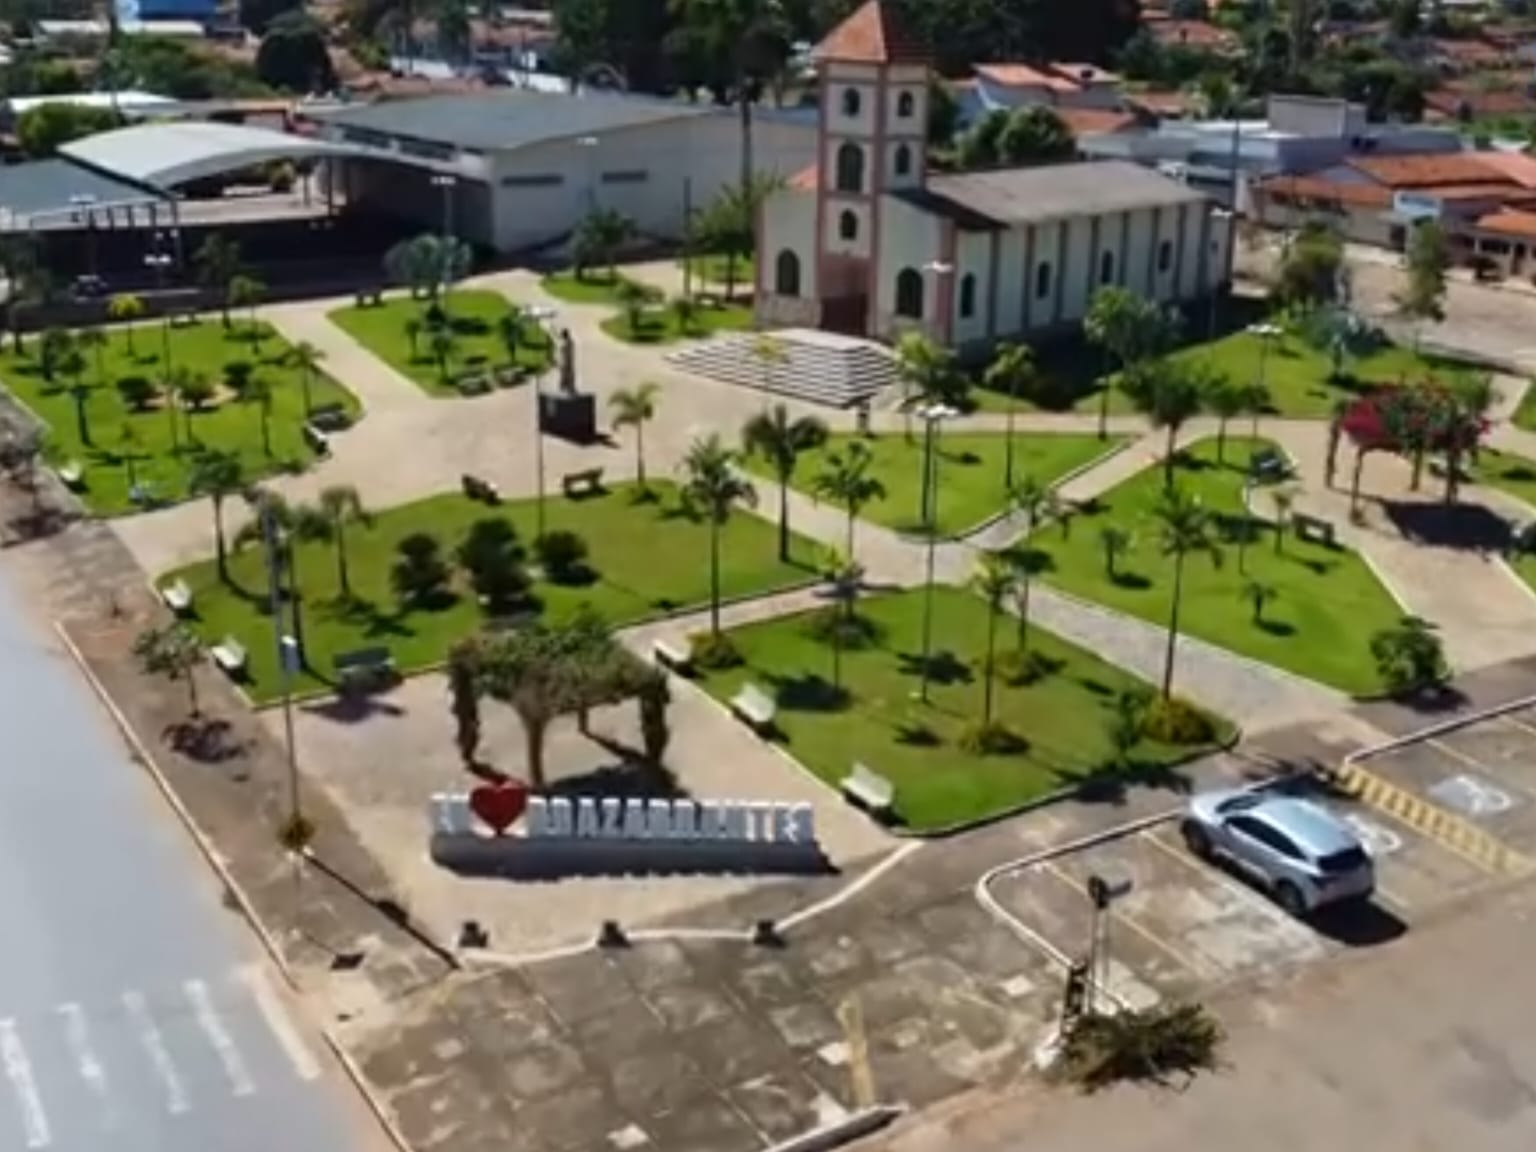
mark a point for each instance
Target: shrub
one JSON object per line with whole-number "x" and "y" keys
{"x": 1155, "y": 1044}
{"x": 419, "y": 575}
{"x": 138, "y": 392}
{"x": 717, "y": 652}
{"x": 237, "y": 376}
{"x": 1170, "y": 720}
{"x": 1018, "y": 668}
{"x": 994, "y": 739}
{"x": 836, "y": 625}
{"x": 1409, "y": 656}
{"x": 563, "y": 556}
{"x": 493, "y": 558}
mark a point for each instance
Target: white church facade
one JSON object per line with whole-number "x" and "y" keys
{"x": 867, "y": 242}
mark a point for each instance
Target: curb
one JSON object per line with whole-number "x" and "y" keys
{"x": 854, "y": 1126}
{"x": 1123, "y": 443}
{"x": 365, "y": 1090}
{"x": 1439, "y": 729}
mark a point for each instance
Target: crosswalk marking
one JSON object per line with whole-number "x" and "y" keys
{"x": 159, "y": 1056}
{"x": 280, "y": 1023}
{"x": 18, "y": 1070}
{"x": 77, "y": 1034}
{"x": 218, "y": 1036}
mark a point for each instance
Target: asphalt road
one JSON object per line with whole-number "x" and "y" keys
{"x": 136, "y": 1013}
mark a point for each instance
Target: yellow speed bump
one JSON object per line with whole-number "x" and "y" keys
{"x": 1459, "y": 835}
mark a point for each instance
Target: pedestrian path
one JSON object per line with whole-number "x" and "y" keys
{"x": 110, "y": 1067}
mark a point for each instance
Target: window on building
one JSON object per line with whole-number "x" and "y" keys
{"x": 1106, "y": 267}
{"x": 535, "y": 180}
{"x": 1042, "y": 280}
{"x": 848, "y": 226}
{"x": 786, "y": 274}
{"x": 909, "y": 293}
{"x": 626, "y": 176}
{"x": 1165, "y": 256}
{"x": 903, "y": 164}
{"x": 851, "y": 101}
{"x": 850, "y": 168}
{"x": 967, "y": 296}
{"x": 905, "y": 106}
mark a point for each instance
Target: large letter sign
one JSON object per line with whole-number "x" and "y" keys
{"x": 609, "y": 818}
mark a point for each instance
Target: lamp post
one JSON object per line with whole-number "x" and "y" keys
{"x": 288, "y": 655}
{"x": 938, "y": 269}
{"x": 545, "y": 318}
{"x": 932, "y": 416}
{"x": 589, "y": 145}
{"x": 1102, "y": 894}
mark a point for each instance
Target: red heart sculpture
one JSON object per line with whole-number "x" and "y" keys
{"x": 499, "y": 805}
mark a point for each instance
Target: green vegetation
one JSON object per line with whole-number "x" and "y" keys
{"x": 715, "y": 268}
{"x": 1525, "y": 413}
{"x": 644, "y": 559}
{"x": 663, "y": 324}
{"x": 970, "y": 472}
{"x": 1514, "y": 476}
{"x": 106, "y": 407}
{"x": 1320, "y": 606}
{"x": 1062, "y": 717}
{"x": 399, "y": 332}
{"x": 596, "y": 287}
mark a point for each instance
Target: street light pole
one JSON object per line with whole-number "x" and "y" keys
{"x": 932, "y": 415}
{"x": 287, "y": 654}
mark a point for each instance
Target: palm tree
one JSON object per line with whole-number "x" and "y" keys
{"x": 927, "y": 372}
{"x": 1035, "y": 501}
{"x": 1114, "y": 543}
{"x": 217, "y": 475}
{"x": 1226, "y": 399}
{"x": 779, "y": 439}
{"x": 129, "y": 440}
{"x": 1169, "y": 395}
{"x": 1256, "y": 403}
{"x": 634, "y": 408}
{"x": 125, "y": 308}
{"x": 306, "y": 358}
{"x": 259, "y": 392}
{"x": 218, "y": 263}
{"x": 442, "y": 344}
{"x": 1258, "y": 594}
{"x": 845, "y": 480}
{"x": 995, "y": 579}
{"x": 846, "y": 576}
{"x": 1011, "y": 371}
{"x": 246, "y": 292}
{"x": 509, "y": 329}
{"x": 96, "y": 340}
{"x": 291, "y": 524}
{"x": 341, "y": 505}
{"x": 72, "y": 364}
{"x": 1283, "y": 498}
{"x": 713, "y": 487}
{"x": 1185, "y": 527}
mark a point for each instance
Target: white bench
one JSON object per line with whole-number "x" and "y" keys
{"x": 669, "y": 656}
{"x": 72, "y": 473}
{"x": 870, "y": 789}
{"x": 755, "y": 708}
{"x": 177, "y": 597}
{"x": 229, "y": 654}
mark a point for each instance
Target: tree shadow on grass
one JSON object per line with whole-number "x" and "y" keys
{"x": 944, "y": 667}
{"x": 1131, "y": 581}
{"x": 809, "y": 692}
{"x": 364, "y": 614}
{"x": 1112, "y": 784}
{"x": 1277, "y": 628}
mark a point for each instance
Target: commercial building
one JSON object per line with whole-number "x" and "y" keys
{"x": 868, "y": 243}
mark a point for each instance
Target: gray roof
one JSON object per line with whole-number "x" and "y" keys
{"x": 1030, "y": 195}
{"x": 500, "y": 121}
{"x": 167, "y": 154}
{"x": 41, "y": 187}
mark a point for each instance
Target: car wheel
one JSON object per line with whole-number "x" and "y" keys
{"x": 1289, "y": 897}
{"x": 1196, "y": 839}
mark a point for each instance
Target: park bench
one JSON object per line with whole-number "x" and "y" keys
{"x": 365, "y": 669}
{"x": 319, "y": 443}
{"x": 754, "y": 708}
{"x": 72, "y": 473}
{"x": 370, "y": 298}
{"x": 510, "y": 375}
{"x": 1270, "y": 466}
{"x": 229, "y": 654}
{"x": 672, "y": 657}
{"x": 870, "y": 790}
{"x": 1313, "y": 530}
{"x": 177, "y": 597}
{"x": 474, "y": 383}
{"x": 330, "y": 417}
{"x": 482, "y": 490}
{"x": 588, "y": 482}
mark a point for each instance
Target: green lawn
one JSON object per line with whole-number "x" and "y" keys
{"x": 120, "y": 436}
{"x": 473, "y": 314}
{"x": 596, "y": 287}
{"x": 660, "y": 325}
{"x": 649, "y": 559}
{"x": 713, "y": 269}
{"x": 1516, "y": 476}
{"x": 1329, "y": 602}
{"x": 971, "y": 471}
{"x": 1062, "y": 716}
{"x": 1525, "y": 413}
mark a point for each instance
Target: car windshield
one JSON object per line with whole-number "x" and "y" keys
{"x": 1336, "y": 863}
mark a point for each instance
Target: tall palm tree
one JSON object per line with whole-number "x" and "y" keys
{"x": 125, "y": 308}
{"x": 927, "y": 373}
{"x": 509, "y": 329}
{"x": 1169, "y": 395}
{"x": 845, "y": 575}
{"x": 72, "y": 364}
{"x": 218, "y": 263}
{"x": 995, "y": 579}
{"x": 846, "y": 480}
{"x": 634, "y": 408}
{"x": 96, "y": 340}
{"x": 1226, "y": 400}
{"x": 1011, "y": 372}
{"x": 217, "y": 475}
{"x": 258, "y": 391}
{"x": 342, "y": 505}
{"x": 443, "y": 345}
{"x": 306, "y": 358}
{"x": 291, "y": 525}
{"x": 1185, "y": 527}
{"x": 780, "y": 439}
{"x": 713, "y": 488}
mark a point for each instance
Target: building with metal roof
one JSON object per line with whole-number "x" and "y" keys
{"x": 166, "y": 155}
{"x": 56, "y": 193}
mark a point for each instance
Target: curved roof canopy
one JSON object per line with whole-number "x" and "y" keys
{"x": 165, "y": 155}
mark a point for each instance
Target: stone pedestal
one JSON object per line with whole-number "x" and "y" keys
{"x": 569, "y": 415}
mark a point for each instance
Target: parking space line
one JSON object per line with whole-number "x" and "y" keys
{"x": 1123, "y": 917}
{"x": 1510, "y": 718}
{"x": 1214, "y": 873}
{"x": 1460, "y": 836}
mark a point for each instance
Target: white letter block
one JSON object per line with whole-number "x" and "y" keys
{"x": 586, "y": 818}
{"x": 802, "y": 822}
{"x": 451, "y": 815}
{"x": 560, "y": 821}
{"x": 536, "y": 827}
{"x": 635, "y": 827}
{"x": 658, "y": 815}
{"x": 735, "y": 827}
{"x": 685, "y": 820}
{"x": 711, "y": 820}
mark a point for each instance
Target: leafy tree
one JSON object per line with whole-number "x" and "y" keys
{"x": 712, "y": 489}
{"x": 928, "y": 374}
{"x": 72, "y": 365}
{"x": 728, "y": 226}
{"x": 845, "y": 479}
{"x": 306, "y": 358}
{"x": 493, "y": 557}
{"x": 343, "y": 506}
{"x": 1126, "y": 722}
{"x": 126, "y": 309}
{"x": 633, "y": 299}
{"x": 1017, "y": 137}
{"x": 1036, "y": 502}
{"x": 1185, "y": 528}
{"x": 246, "y": 292}
{"x": 454, "y": 32}
{"x": 1114, "y": 543}
{"x": 1258, "y": 594}
{"x": 1409, "y": 656}
{"x": 218, "y": 264}
{"x": 54, "y": 346}
{"x": 509, "y": 330}
{"x": 1169, "y": 395}
{"x": 780, "y": 439}
{"x": 293, "y": 56}
{"x": 1308, "y": 275}
{"x": 138, "y": 392}
{"x": 598, "y": 238}
{"x": 217, "y": 475}
{"x": 563, "y": 557}
{"x": 634, "y": 408}
{"x": 175, "y": 652}
{"x": 419, "y": 575}
{"x": 943, "y": 115}
{"x": 43, "y": 130}
{"x": 427, "y": 264}
{"x": 1129, "y": 328}
{"x": 1422, "y": 298}
{"x": 194, "y": 390}
{"x": 995, "y": 579}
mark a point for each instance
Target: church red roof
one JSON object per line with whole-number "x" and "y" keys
{"x": 872, "y": 35}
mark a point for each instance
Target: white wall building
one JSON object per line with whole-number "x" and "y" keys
{"x": 523, "y": 168}
{"x": 870, "y": 244}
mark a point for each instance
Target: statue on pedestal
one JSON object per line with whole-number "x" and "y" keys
{"x": 567, "y": 363}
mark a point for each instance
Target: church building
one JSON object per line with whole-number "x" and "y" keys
{"x": 867, "y": 242}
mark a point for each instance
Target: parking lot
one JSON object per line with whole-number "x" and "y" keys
{"x": 1444, "y": 818}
